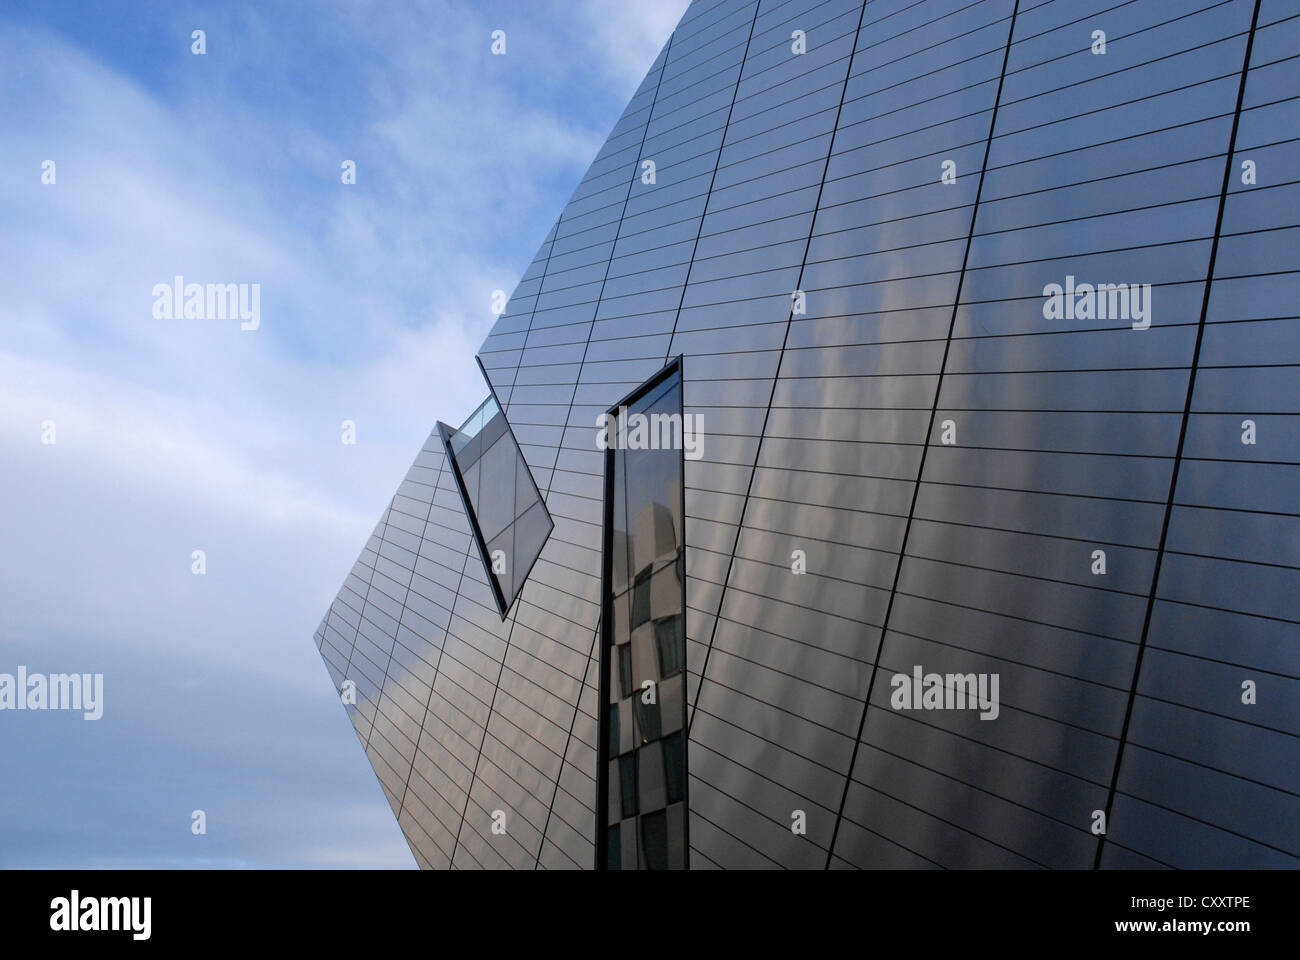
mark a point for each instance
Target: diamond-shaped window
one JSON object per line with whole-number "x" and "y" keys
{"x": 504, "y": 506}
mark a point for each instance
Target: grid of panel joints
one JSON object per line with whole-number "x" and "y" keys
{"x": 451, "y": 686}
{"x": 414, "y": 632}
{"x": 501, "y": 354}
{"x": 457, "y": 696}
{"x": 759, "y": 217}
{"x": 597, "y": 385}
{"x": 1207, "y": 779}
{"x": 413, "y": 628}
{"x": 342, "y": 633}
{"x": 585, "y": 440}
{"x": 368, "y": 610}
{"x": 519, "y": 752}
{"x": 568, "y": 842}
{"x": 779, "y": 665}
{"x": 584, "y": 437}
{"x": 600, "y": 378}
{"x": 783, "y": 304}
{"x": 437, "y": 798}
{"x": 1051, "y": 463}
{"x": 688, "y": 67}
{"x": 566, "y": 847}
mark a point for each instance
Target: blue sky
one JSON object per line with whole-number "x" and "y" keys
{"x": 178, "y": 435}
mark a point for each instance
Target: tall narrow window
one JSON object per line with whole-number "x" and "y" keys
{"x": 642, "y": 821}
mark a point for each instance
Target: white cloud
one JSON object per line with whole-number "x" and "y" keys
{"x": 630, "y": 35}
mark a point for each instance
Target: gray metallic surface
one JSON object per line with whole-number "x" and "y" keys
{"x": 1120, "y": 692}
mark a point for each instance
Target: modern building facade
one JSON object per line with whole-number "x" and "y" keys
{"x": 985, "y": 550}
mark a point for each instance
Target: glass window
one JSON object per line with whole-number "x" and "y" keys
{"x": 614, "y": 847}
{"x": 674, "y": 767}
{"x": 504, "y": 506}
{"x": 627, "y": 783}
{"x": 648, "y": 727}
{"x": 643, "y": 641}
{"x": 670, "y": 644}
{"x": 625, "y": 670}
{"x": 641, "y": 599}
{"x": 654, "y": 840}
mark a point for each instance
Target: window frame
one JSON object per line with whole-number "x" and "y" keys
{"x": 448, "y": 433}
{"x": 605, "y": 652}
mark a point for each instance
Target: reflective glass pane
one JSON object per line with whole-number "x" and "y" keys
{"x": 643, "y": 641}
{"x": 508, "y": 517}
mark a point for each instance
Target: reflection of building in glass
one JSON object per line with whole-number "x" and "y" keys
{"x": 918, "y": 461}
{"x": 643, "y": 713}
